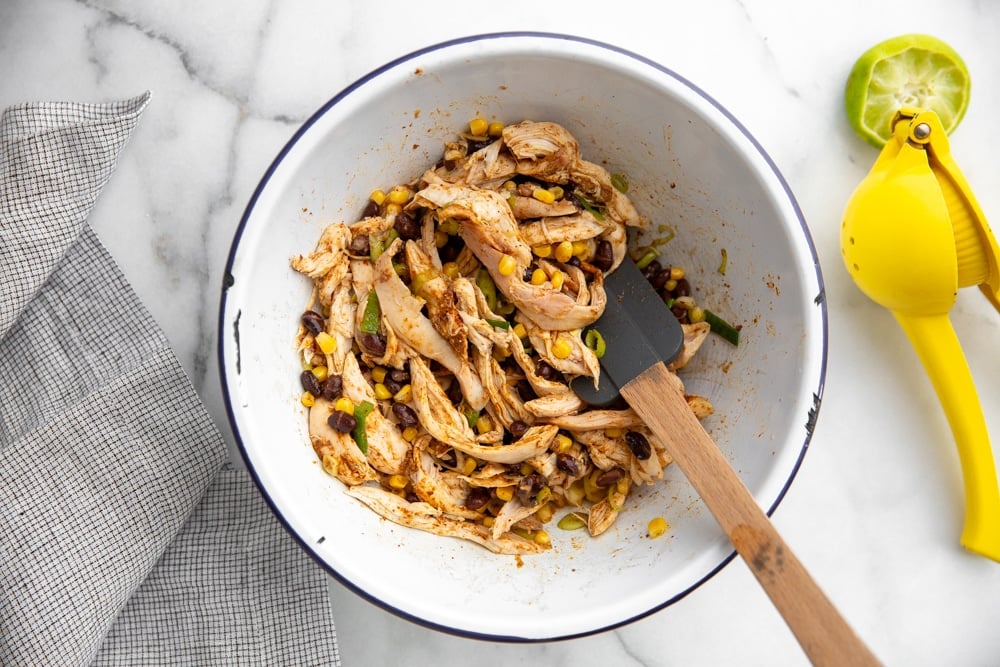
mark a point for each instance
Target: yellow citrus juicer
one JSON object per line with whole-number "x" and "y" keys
{"x": 912, "y": 234}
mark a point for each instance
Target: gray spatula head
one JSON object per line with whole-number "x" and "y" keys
{"x": 639, "y": 331}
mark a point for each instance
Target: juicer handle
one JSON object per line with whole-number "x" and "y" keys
{"x": 935, "y": 342}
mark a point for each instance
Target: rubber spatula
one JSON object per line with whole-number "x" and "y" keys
{"x": 636, "y": 327}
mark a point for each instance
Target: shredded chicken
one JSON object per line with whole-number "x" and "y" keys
{"x": 456, "y": 315}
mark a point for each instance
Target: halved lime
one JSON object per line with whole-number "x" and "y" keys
{"x": 908, "y": 70}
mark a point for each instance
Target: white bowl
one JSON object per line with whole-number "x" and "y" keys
{"x": 690, "y": 165}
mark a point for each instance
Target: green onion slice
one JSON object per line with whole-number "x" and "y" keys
{"x": 647, "y": 257}
{"x": 620, "y": 182}
{"x": 572, "y": 521}
{"x": 723, "y": 328}
{"x": 499, "y": 324}
{"x": 595, "y": 341}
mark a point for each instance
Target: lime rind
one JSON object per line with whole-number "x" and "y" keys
{"x": 908, "y": 70}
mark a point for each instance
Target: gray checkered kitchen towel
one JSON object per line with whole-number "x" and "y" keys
{"x": 125, "y": 538}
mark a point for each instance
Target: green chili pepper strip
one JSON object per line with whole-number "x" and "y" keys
{"x": 499, "y": 324}
{"x": 472, "y": 417}
{"x": 485, "y": 283}
{"x": 595, "y": 341}
{"x": 722, "y": 327}
{"x": 375, "y": 246}
{"x": 361, "y": 412}
{"x": 372, "y": 314}
{"x": 590, "y": 208}
{"x": 647, "y": 257}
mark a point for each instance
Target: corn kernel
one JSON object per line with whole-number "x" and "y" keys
{"x": 561, "y": 349}
{"x": 526, "y": 469}
{"x": 542, "y": 538}
{"x": 488, "y": 521}
{"x": 344, "y": 404}
{"x": 544, "y": 250}
{"x": 696, "y": 314}
{"x": 509, "y": 186}
{"x": 410, "y": 433}
{"x": 400, "y": 195}
{"x": 495, "y": 129}
{"x": 449, "y": 227}
{"x": 308, "y": 399}
{"x": 478, "y": 127}
{"x": 404, "y": 394}
{"x": 657, "y": 527}
{"x": 544, "y": 513}
{"x": 468, "y": 465}
{"x": 563, "y": 251}
{"x": 320, "y": 373}
{"x": 382, "y": 392}
{"x": 581, "y": 249}
{"x": 327, "y": 343}
{"x": 557, "y": 279}
{"x": 563, "y": 443}
{"x": 507, "y": 265}
{"x": 520, "y": 331}
{"x": 670, "y": 285}
{"x": 614, "y": 432}
{"x": 557, "y": 191}
{"x": 676, "y": 273}
{"x": 484, "y": 424}
{"x": 543, "y": 195}
{"x": 392, "y": 210}
{"x": 377, "y": 196}
{"x": 440, "y": 239}
{"x": 379, "y": 373}
{"x": 398, "y": 481}
{"x": 505, "y": 493}
{"x": 450, "y": 269}
{"x": 539, "y": 277}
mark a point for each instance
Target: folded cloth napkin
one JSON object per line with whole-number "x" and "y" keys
{"x": 125, "y": 537}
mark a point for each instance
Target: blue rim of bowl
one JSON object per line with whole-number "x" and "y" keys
{"x": 228, "y": 281}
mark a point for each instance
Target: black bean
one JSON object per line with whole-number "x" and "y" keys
{"x": 652, "y": 269}
{"x": 639, "y": 445}
{"x": 610, "y": 477}
{"x": 528, "y": 272}
{"x": 478, "y": 145}
{"x": 574, "y": 261}
{"x": 341, "y": 421}
{"x": 659, "y": 279}
{"x": 371, "y": 210}
{"x": 528, "y": 488}
{"x": 683, "y": 288}
{"x": 360, "y": 245}
{"x": 372, "y": 344}
{"x": 405, "y": 414}
{"x": 568, "y": 464}
{"x": 391, "y": 384}
{"x": 406, "y": 226}
{"x": 525, "y": 390}
{"x": 604, "y": 255}
{"x": 680, "y": 313}
{"x": 454, "y": 392}
{"x": 310, "y": 383}
{"x": 332, "y": 387}
{"x": 477, "y": 498}
{"x": 544, "y": 370}
{"x": 399, "y": 375}
{"x": 518, "y": 428}
{"x": 313, "y": 322}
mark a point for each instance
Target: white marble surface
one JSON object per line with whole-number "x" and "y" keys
{"x": 876, "y": 509}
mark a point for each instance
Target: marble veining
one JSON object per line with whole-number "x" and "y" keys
{"x": 876, "y": 508}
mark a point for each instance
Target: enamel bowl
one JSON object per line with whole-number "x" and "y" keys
{"x": 692, "y": 167}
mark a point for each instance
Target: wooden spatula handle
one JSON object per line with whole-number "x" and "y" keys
{"x": 822, "y": 632}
